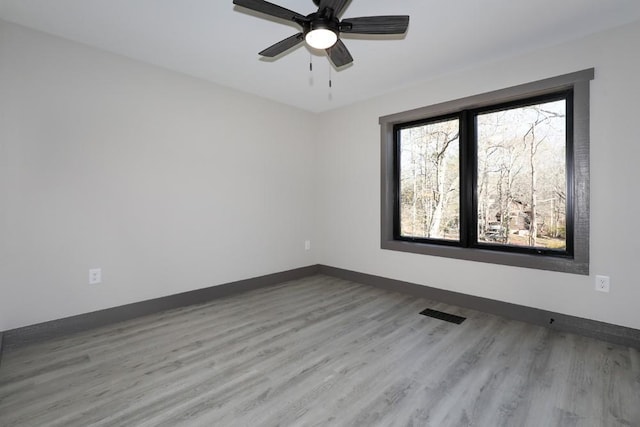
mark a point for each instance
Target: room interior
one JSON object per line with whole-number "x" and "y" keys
{"x": 149, "y": 140}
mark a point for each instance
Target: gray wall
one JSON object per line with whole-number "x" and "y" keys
{"x": 167, "y": 183}
{"x": 349, "y": 194}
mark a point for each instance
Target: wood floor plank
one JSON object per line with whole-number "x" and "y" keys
{"x": 320, "y": 351}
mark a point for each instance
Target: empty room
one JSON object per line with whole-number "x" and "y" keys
{"x": 319, "y": 213}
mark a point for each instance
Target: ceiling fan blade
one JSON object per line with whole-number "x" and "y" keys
{"x": 397, "y": 24}
{"x": 283, "y": 45}
{"x": 339, "y": 54}
{"x": 271, "y": 9}
{"x": 337, "y": 5}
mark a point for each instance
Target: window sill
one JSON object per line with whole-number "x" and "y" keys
{"x": 539, "y": 262}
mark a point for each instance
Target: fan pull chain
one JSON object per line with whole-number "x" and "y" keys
{"x": 310, "y": 69}
{"x": 330, "y": 94}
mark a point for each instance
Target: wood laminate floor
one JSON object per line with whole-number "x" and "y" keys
{"x": 320, "y": 352}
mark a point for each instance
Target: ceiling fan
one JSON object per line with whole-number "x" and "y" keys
{"x": 321, "y": 29}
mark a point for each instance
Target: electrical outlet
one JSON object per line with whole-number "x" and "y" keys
{"x": 603, "y": 283}
{"x": 95, "y": 276}
{"x": 307, "y": 245}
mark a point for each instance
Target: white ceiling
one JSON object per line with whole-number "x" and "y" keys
{"x": 219, "y": 42}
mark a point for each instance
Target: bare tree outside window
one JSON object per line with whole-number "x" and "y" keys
{"x": 429, "y": 181}
{"x": 522, "y": 177}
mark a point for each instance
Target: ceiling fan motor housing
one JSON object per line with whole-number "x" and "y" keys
{"x": 321, "y": 21}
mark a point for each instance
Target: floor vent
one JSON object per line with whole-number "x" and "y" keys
{"x": 443, "y": 316}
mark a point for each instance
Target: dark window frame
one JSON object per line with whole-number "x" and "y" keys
{"x": 396, "y": 176}
{"x": 576, "y": 258}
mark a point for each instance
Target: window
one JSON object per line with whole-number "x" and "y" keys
{"x": 501, "y": 177}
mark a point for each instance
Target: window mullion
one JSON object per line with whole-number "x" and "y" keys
{"x": 468, "y": 220}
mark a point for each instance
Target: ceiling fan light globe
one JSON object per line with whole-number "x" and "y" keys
{"x": 321, "y": 38}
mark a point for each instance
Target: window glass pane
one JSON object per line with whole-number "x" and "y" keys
{"x": 522, "y": 176}
{"x": 429, "y": 181}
